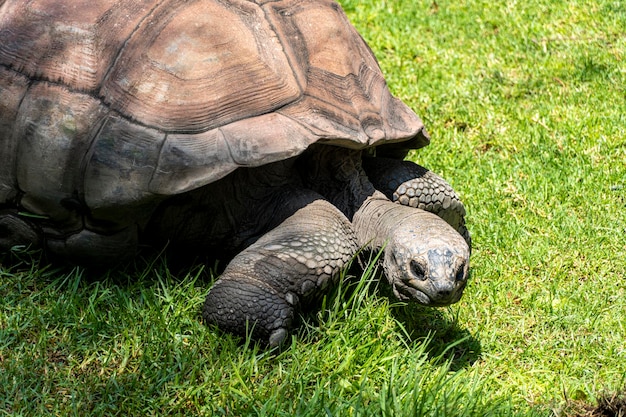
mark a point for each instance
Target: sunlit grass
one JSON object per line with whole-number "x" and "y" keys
{"x": 525, "y": 103}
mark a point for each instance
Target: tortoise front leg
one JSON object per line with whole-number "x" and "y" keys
{"x": 412, "y": 185}
{"x": 16, "y": 230}
{"x": 262, "y": 287}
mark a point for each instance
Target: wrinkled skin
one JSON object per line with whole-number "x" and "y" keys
{"x": 291, "y": 227}
{"x": 297, "y": 223}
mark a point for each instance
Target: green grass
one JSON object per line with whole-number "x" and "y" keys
{"x": 526, "y": 106}
{"x": 134, "y": 345}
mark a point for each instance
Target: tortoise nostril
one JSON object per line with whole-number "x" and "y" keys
{"x": 417, "y": 270}
{"x": 460, "y": 274}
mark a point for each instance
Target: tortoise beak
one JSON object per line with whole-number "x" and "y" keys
{"x": 436, "y": 280}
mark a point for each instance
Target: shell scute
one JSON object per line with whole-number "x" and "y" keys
{"x": 187, "y": 162}
{"x": 53, "y": 129}
{"x": 186, "y": 70}
{"x": 118, "y": 170}
{"x": 69, "y": 42}
{"x": 13, "y": 87}
{"x": 346, "y": 100}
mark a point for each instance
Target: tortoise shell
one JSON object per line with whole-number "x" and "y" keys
{"x": 115, "y": 104}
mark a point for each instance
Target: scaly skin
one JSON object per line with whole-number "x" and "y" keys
{"x": 300, "y": 221}
{"x": 263, "y": 286}
{"x": 18, "y": 231}
{"x": 412, "y": 185}
{"x": 425, "y": 259}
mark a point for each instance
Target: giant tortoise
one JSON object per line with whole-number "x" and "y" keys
{"x": 261, "y": 130}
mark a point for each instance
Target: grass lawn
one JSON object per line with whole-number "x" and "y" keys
{"x": 526, "y": 106}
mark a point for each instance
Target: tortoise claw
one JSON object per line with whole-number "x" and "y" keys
{"x": 238, "y": 303}
{"x": 278, "y": 337}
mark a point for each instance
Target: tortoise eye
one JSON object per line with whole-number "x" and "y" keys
{"x": 417, "y": 270}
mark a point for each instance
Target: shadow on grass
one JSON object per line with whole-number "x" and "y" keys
{"x": 446, "y": 340}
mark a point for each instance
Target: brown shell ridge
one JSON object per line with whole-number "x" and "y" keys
{"x": 346, "y": 99}
{"x": 121, "y": 49}
{"x": 241, "y": 66}
{"x": 355, "y": 94}
{"x": 69, "y": 43}
{"x": 189, "y": 161}
{"x": 33, "y": 80}
{"x": 295, "y": 66}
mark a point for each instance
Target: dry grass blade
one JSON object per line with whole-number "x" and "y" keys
{"x": 609, "y": 405}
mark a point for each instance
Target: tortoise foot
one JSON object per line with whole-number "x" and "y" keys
{"x": 240, "y": 305}
{"x": 296, "y": 262}
{"x": 17, "y": 231}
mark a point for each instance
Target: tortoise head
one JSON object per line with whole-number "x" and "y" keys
{"x": 427, "y": 263}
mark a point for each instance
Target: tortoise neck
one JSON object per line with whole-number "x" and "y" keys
{"x": 336, "y": 173}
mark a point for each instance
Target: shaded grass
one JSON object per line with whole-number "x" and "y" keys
{"x": 525, "y": 104}
{"x": 125, "y": 345}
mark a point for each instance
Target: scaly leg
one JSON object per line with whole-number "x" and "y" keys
{"x": 262, "y": 287}
{"x": 412, "y": 185}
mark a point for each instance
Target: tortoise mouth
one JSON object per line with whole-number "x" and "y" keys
{"x": 413, "y": 290}
{"x": 408, "y": 293}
